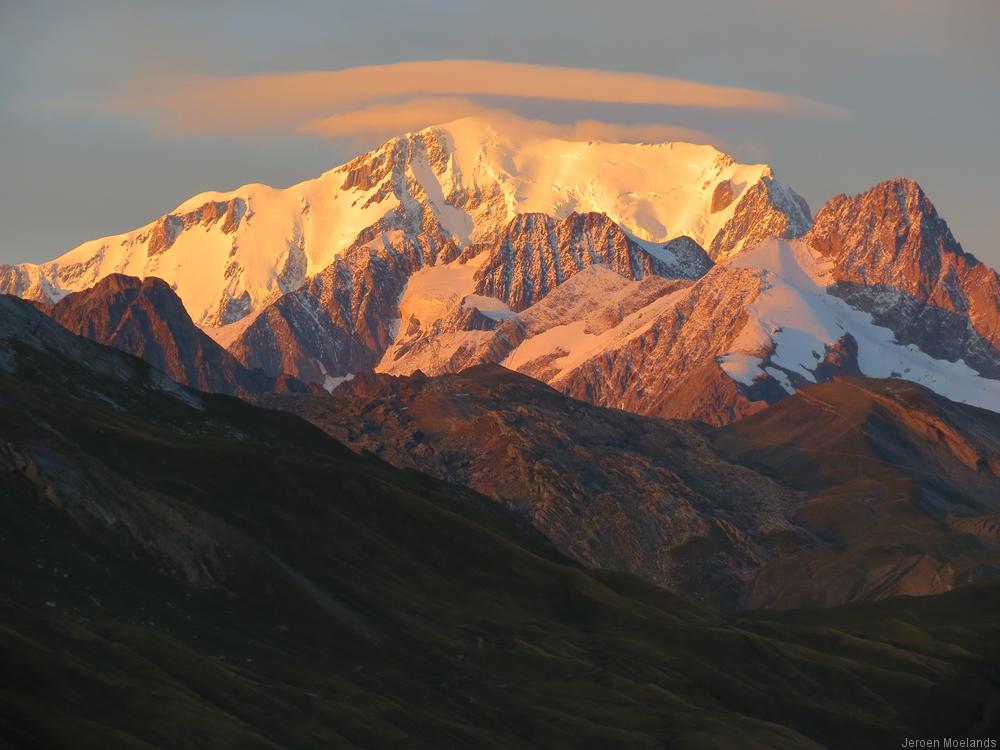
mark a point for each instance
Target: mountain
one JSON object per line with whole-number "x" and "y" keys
{"x": 228, "y": 254}
{"x": 146, "y": 318}
{"x": 421, "y": 199}
{"x": 664, "y": 279}
{"x": 610, "y": 489}
{"x": 188, "y": 569}
{"x": 877, "y": 287}
{"x": 749, "y": 332}
{"x": 896, "y": 258}
{"x": 851, "y": 489}
{"x": 499, "y": 218}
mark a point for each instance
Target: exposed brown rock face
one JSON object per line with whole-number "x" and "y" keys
{"x": 168, "y": 227}
{"x": 367, "y": 171}
{"x": 767, "y": 209}
{"x": 896, "y": 258}
{"x": 722, "y": 196}
{"x": 145, "y": 318}
{"x": 535, "y": 253}
{"x": 840, "y": 359}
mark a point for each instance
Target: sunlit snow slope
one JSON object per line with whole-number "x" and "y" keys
{"x": 227, "y": 254}
{"x": 794, "y": 322}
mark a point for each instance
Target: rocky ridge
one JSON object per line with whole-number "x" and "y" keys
{"x": 416, "y": 202}
{"x": 145, "y": 318}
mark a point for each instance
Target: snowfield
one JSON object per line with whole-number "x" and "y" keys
{"x": 797, "y": 315}
{"x": 278, "y": 238}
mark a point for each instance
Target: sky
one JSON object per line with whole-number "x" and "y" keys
{"x": 113, "y": 113}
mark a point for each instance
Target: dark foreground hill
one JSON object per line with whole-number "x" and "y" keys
{"x": 184, "y": 570}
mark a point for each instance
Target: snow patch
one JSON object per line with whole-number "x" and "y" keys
{"x": 797, "y": 320}
{"x": 491, "y": 307}
{"x": 433, "y": 292}
{"x": 330, "y": 382}
{"x": 581, "y": 318}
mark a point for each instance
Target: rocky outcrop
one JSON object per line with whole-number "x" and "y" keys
{"x": 535, "y": 253}
{"x": 896, "y": 258}
{"x": 145, "y": 318}
{"x": 167, "y": 228}
{"x": 722, "y": 196}
{"x": 766, "y": 209}
{"x": 685, "y": 258}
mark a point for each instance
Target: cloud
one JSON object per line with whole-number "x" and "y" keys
{"x": 414, "y": 114}
{"x": 232, "y": 104}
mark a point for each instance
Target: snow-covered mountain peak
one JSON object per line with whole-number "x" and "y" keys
{"x": 657, "y": 192}
{"x": 794, "y": 324}
{"x": 796, "y": 261}
{"x": 230, "y": 254}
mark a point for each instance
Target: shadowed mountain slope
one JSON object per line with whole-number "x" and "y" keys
{"x": 908, "y": 478}
{"x": 145, "y": 318}
{"x": 186, "y": 570}
{"x": 704, "y": 511}
{"x": 611, "y": 489}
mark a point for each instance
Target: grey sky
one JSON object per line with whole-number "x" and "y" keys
{"x": 920, "y": 79}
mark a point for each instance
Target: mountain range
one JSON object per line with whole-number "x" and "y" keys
{"x": 494, "y": 439}
{"x": 665, "y": 279}
{"x": 183, "y": 568}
